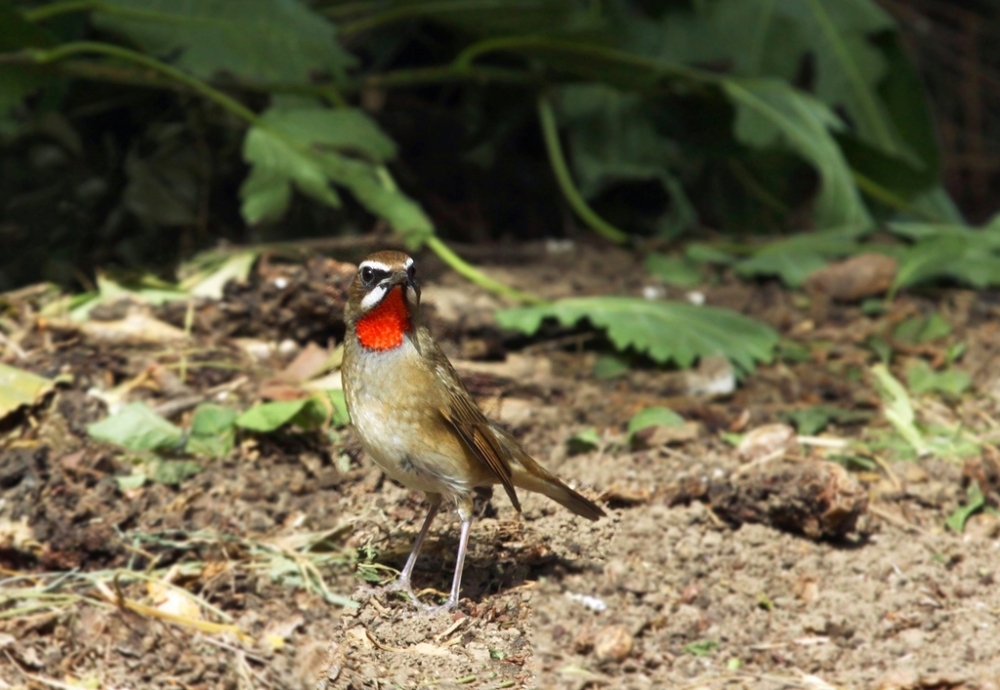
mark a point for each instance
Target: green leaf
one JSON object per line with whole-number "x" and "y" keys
{"x": 610, "y": 366}
{"x": 922, "y": 379}
{"x": 974, "y": 503}
{"x": 701, "y": 648}
{"x": 19, "y": 387}
{"x": 700, "y": 252}
{"x": 673, "y": 271}
{"x": 812, "y": 420}
{"x": 173, "y": 472}
{"x": 792, "y": 268}
{"x": 132, "y": 481}
{"x": 341, "y": 417}
{"x": 918, "y": 330}
{"x": 313, "y": 148}
{"x": 898, "y": 409}
{"x": 584, "y": 442}
{"x": 212, "y": 430}
{"x": 770, "y": 113}
{"x": 253, "y": 40}
{"x": 666, "y": 331}
{"x": 653, "y": 416}
{"x": 613, "y": 140}
{"x": 137, "y": 427}
{"x": 270, "y": 416}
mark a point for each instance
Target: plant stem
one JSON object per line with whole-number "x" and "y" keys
{"x": 40, "y": 14}
{"x": 197, "y": 85}
{"x": 887, "y": 197}
{"x": 474, "y": 275}
{"x": 566, "y": 184}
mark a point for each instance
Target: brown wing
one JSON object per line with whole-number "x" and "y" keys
{"x": 475, "y": 431}
{"x": 468, "y": 421}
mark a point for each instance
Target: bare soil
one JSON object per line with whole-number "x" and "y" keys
{"x": 252, "y": 573}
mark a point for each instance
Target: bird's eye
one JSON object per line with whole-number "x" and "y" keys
{"x": 411, "y": 272}
{"x": 367, "y": 275}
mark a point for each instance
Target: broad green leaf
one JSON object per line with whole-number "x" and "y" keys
{"x": 898, "y": 409}
{"x": 666, "y": 331}
{"x": 270, "y": 416}
{"x": 771, "y": 113}
{"x": 932, "y": 258}
{"x": 254, "y": 40}
{"x": 653, "y": 416}
{"x": 922, "y": 379}
{"x": 769, "y": 38}
{"x": 672, "y": 270}
{"x": 19, "y": 387}
{"x": 314, "y": 148}
{"x": 212, "y": 430}
{"x": 975, "y": 501}
{"x": 612, "y": 140}
{"x": 137, "y": 427}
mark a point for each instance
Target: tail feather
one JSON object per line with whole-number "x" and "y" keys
{"x": 529, "y": 475}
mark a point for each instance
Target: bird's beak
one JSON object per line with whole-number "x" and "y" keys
{"x": 412, "y": 288}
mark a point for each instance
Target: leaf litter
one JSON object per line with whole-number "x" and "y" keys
{"x": 248, "y": 569}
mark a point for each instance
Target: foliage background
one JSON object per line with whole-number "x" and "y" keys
{"x": 136, "y": 132}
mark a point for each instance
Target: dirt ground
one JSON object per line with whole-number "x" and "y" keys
{"x": 251, "y": 573}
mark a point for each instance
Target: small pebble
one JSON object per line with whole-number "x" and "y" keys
{"x": 612, "y": 643}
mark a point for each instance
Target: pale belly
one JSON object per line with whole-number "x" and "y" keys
{"x": 392, "y": 426}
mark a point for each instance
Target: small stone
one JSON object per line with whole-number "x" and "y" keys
{"x": 913, "y": 638}
{"x": 612, "y": 643}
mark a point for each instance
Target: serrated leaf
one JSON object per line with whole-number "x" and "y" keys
{"x": 315, "y": 148}
{"x": 137, "y": 427}
{"x": 666, "y": 331}
{"x": 770, "y": 113}
{"x": 922, "y": 379}
{"x": 653, "y": 416}
{"x": 672, "y": 270}
{"x": 918, "y": 330}
{"x": 256, "y": 40}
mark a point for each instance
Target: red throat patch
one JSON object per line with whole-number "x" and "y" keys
{"x": 383, "y": 327}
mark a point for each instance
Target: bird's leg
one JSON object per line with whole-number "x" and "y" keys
{"x": 403, "y": 583}
{"x": 463, "y": 545}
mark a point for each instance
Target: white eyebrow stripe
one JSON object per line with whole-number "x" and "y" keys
{"x": 373, "y": 298}
{"x": 377, "y": 265}
{"x": 409, "y": 262}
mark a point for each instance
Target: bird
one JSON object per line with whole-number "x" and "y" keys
{"x": 417, "y": 420}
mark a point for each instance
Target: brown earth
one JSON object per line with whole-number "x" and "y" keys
{"x": 241, "y": 575}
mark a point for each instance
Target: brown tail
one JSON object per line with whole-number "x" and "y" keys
{"x": 529, "y": 475}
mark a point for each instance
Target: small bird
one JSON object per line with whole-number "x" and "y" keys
{"x": 415, "y": 417}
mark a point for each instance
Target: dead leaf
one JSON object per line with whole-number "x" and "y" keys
{"x": 768, "y": 441}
